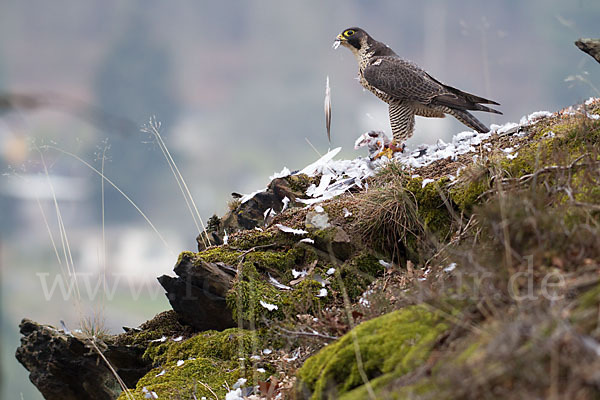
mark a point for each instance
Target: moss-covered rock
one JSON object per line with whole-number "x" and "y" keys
{"x": 433, "y": 205}
{"x": 388, "y": 346}
{"x": 252, "y": 295}
{"x": 356, "y": 274}
{"x": 216, "y": 359}
{"x": 165, "y": 324}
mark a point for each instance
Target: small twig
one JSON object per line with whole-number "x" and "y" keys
{"x": 308, "y": 334}
{"x": 112, "y": 370}
{"x": 551, "y": 168}
{"x": 460, "y": 234}
{"x": 262, "y": 246}
{"x": 209, "y": 389}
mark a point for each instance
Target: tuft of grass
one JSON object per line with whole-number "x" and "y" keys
{"x": 389, "y": 217}
{"x": 93, "y": 327}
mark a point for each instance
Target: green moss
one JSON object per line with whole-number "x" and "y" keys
{"x": 213, "y": 358}
{"x": 356, "y": 274}
{"x": 431, "y": 206}
{"x": 323, "y": 236}
{"x": 245, "y": 240}
{"x": 251, "y": 288}
{"x": 226, "y": 345}
{"x": 299, "y": 183}
{"x": 218, "y": 254}
{"x": 467, "y": 195}
{"x": 277, "y": 261}
{"x": 183, "y": 381}
{"x": 244, "y": 299}
{"x": 163, "y": 324}
{"x": 391, "y": 345}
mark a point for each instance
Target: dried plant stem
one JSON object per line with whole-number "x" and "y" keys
{"x": 154, "y": 128}
{"x": 117, "y": 189}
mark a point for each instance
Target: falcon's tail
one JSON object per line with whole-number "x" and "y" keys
{"x": 469, "y": 120}
{"x": 463, "y": 100}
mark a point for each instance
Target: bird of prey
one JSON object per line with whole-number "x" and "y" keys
{"x": 407, "y": 88}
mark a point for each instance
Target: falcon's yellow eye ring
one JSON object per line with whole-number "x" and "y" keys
{"x": 349, "y": 32}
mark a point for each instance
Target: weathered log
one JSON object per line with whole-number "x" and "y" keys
{"x": 64, "y": 367}
{"x": 198, "y": 293}
{"x": 590, "y": 46}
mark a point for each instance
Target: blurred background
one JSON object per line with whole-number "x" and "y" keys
{"x": 238, "y": 87}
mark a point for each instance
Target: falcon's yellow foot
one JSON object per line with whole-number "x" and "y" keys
{"x": 389, "y": 150}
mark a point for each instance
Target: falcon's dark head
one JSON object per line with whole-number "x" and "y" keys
{"x": 353, "y": 38}
{"x": 360, "y": 43}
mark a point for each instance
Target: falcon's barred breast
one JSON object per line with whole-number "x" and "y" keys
{"x": 407, "y": 88}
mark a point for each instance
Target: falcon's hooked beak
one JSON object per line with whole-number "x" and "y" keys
{"x": 338, "y": 41}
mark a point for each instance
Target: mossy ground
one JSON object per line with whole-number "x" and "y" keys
{"x": 389, "y": 346}
{"x": 216, "y": 359}
{"x": 521, "y": 302}
{"x": 504, "y": 325}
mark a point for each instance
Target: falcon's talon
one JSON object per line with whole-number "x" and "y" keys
{"x": 407, "y": 88}
{"x": 397, "y": 149}
{"x": 387, "y": 152}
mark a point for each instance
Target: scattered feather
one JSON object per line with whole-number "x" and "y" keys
{"x": 161, "y": 373}
{"x": 267, "y": 351}
{"x": 317, "y": 191}
{"x": 149, "y": 394}
{"x": 278, "y": 285}
{"x": 284, "y": 172}
{"x": 450, "y": 267}
{"x": 346, "y": 213}
{"x": 330, "y": 271}
{"x": 385, "y": 264}
{"x": 307, "y": 240}
{"x": 268, "y": 213}
{"x": 426, "y": 181}
{"x": 178, "y": 339}
{"x": 285, "y": 202}
{"x": 161, "y": 340}
{"x": 322, "y": 292}
{"x": 328, "y": 109}
{"x": 296, "y": 274}
{"x": 313, "y": 168}
{"x": 320, "y": 280}
{"x": 64, "y": 328}
{"x": 287, "y": 229}
{"x": 247, "y": 197}
{"x": 235, "y": 394}
{"x": 180, "y": 363}
{"x": 268, "y": 306}
{"x": 240, "y": 383}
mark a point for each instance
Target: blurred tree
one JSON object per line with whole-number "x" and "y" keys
{"x": 134, "y": 82}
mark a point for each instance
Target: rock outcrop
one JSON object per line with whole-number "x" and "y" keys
{"x": 63, "y": 366}
{"x": 590, "y": 46}
{"x": 198, "y": 292}
{"x": 461, "y": 270}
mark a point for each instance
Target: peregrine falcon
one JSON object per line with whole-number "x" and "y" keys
{"x": 407, "y": 88}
